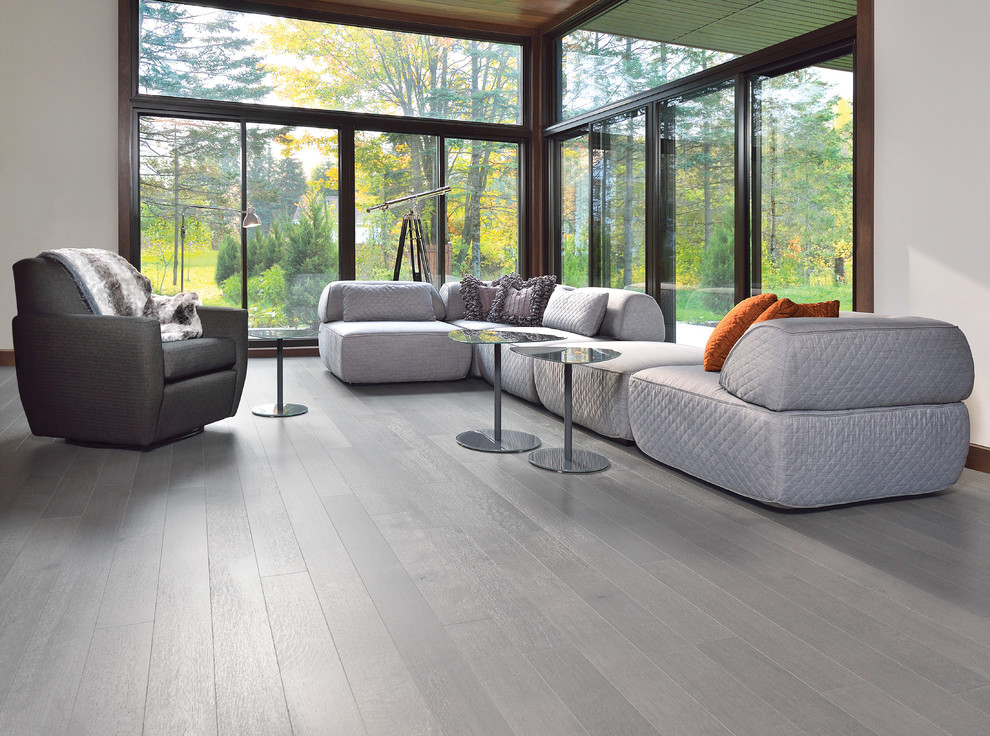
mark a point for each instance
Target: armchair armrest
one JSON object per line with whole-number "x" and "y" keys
{"x": 231, "y": 323}
{"x": 90, "y": 376}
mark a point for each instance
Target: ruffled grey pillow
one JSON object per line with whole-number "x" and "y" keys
{"x": 478, "y": 297}
{"x": 522, "y": 303}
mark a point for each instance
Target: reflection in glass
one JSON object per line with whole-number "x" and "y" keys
{"x": 619, "y": 202}
{"x": 292, "y": 180}
{"x": 697, "y": 222}
{"x": 575, "y": 199}
{"x": 389, "y": 166}
{"x": 600, "y": 68}
{"x": 188, "y": 162}
{"x": 482, "y": 208}
{"x": 803, "y": 185}
{"x": 200, "y": 52}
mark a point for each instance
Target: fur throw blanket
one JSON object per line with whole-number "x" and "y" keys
{"x": 110, "y": 285}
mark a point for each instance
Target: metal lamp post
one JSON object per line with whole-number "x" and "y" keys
{"x": 250, "y": 220}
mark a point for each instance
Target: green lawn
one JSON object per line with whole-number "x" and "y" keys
{"x": 200, "y": 268}
{"x": 691, "y": 305}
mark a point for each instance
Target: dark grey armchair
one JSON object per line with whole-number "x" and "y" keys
{"x": 103, "y": 380}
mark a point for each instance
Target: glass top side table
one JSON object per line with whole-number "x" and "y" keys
{"x": 497, "y": 439}
{"x": 279, "y": 335}
{"x": 567, "y": 459}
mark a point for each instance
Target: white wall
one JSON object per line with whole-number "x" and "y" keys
{"x": 58, "y": 132}
{"x": 933, "y": 172}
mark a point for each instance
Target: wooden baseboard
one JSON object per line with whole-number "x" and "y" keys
{"x": 6, "y": 357}
{"x": 978, "y": 458}
{"x": 308, "y": 351}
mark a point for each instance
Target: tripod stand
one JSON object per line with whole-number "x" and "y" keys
{"x": 413, "y": 233}
{"x": 419, "y": 248}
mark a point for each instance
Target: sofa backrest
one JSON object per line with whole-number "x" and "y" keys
{"x": 331, "y": 307}
{"x": 629, "y": 315}
{"x": 849, "y": 363}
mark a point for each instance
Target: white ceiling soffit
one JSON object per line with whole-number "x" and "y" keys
{"x": 732, "y": 26}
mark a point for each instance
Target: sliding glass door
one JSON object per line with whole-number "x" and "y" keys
{"x": 697, "y": 194}
{"x": 803, "y": 183}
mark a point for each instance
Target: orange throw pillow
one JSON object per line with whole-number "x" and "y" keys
{"x": 786, "y": 308}
{"x": 731, "y": 328}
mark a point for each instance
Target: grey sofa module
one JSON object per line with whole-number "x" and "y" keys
{"x": 809, "y": 413}
{"x": 97, "y": 379}
{"x": 629, "y": 315}
{"x": 384, "y": 336}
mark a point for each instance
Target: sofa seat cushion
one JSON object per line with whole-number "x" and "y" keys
{"x": 683, "y": 417}
{"x": 390, "y": 351}
{"x": 600, "y": 396}
{"x": 187, "y": 358}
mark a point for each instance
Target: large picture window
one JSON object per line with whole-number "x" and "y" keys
{"x": 207, "y": 53}
{"x": 310, "y": 123}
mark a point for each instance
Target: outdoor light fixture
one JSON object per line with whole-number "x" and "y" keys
{"x": 250, "y": 220}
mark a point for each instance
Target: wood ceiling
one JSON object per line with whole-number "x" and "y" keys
{"x": 520, "y": 17}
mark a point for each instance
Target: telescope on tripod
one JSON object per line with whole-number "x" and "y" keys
{"x": 413, "y": 233}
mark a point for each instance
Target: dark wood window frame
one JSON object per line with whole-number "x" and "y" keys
{"x": 853, "y": 36}
{"x": 132, "y": 105}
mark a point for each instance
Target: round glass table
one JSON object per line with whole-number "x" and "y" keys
{"x": 566, "y": 459}
{"x": 497, "y": 439}
{"x": 280, "y": 335}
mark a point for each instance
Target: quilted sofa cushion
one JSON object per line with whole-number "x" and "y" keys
{"x": 331, "y": 306}
{"x": 835, "y": 364}
{"x": 395, "y": 301}
{"x": 681, "y": 416}
{"x": 600, "y": 392}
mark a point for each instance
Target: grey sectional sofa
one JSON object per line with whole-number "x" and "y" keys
{"x": 805, "y": 413}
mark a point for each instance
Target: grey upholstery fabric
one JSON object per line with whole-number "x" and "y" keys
{"x": 231, "y": 324}
{"x": 834, "y": 364}
{"x": 600, "y": 396}
{"x": 187, "y": 358}
{"x": 100, "y": 379}
{"x": 411, "y": 302}
{"x": 385, "y": 352}
{"x": 450, "y": 294}
{"x": 576, "y": 310}
{"x": 331, "y": 306}
{"x": 682, "y": 417}
{"x": 631, "y": 315}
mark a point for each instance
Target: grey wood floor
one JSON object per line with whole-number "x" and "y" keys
{"x": 355, "y": 571}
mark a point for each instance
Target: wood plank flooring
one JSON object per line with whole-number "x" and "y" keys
{"x": 355, "y": 571}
